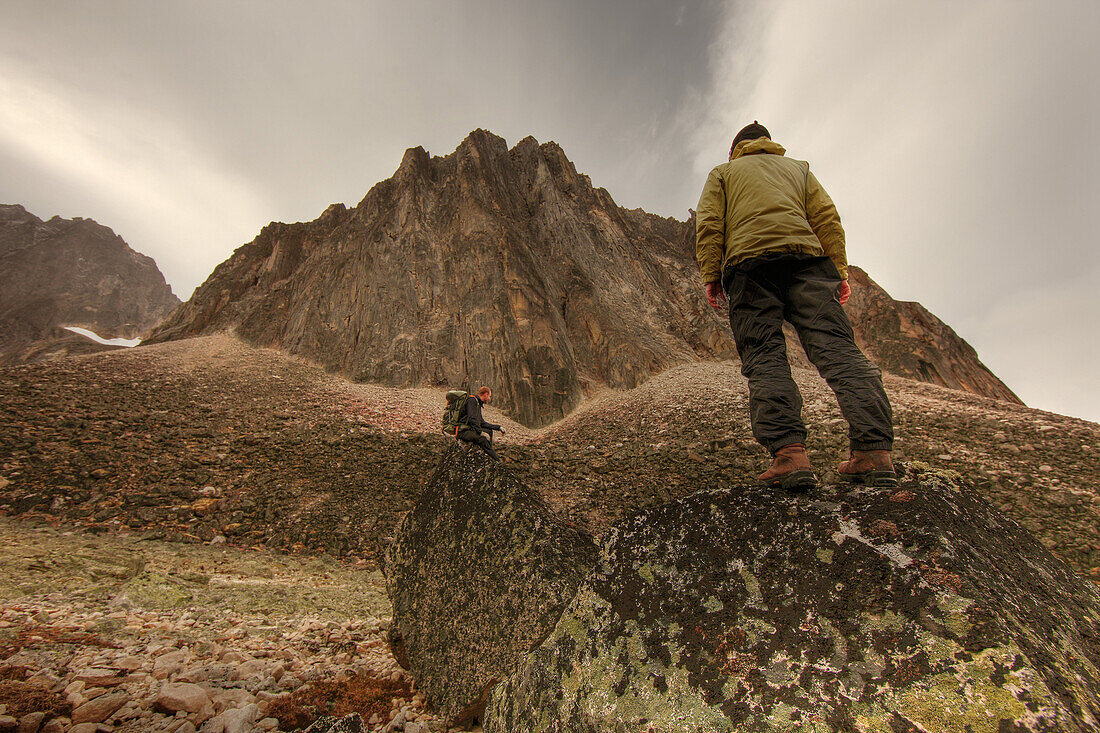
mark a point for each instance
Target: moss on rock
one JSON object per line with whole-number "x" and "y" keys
{"x": 479, "y": 573}
{"x": 919, "y": 608}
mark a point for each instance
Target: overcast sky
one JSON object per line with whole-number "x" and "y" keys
{"x": 960, "y": 140}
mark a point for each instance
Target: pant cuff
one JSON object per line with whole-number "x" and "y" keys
{"x": 875, "y": 445}
{"x": 790, "y": 439}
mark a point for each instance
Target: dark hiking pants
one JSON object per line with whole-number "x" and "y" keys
{"x": 765, "y": 291}
{"x": 476, "y": 437}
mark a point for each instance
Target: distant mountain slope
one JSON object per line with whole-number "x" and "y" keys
{"x": 486, "y": 266}
{"x": 75, "y": 272}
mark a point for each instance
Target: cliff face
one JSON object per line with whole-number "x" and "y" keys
{"x": 486, "y": 266}
{"x": 75, "y": 272}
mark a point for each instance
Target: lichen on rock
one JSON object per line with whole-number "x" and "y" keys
{"x": 919, "y": 608}
{"x": 478, "y": 573}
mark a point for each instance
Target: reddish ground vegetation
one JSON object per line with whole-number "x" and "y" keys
{"x": 8, "y": 672}
{"x": 15, "y": 640}
{"x": 20, "y": 698}
{"x": 364, "y": 695}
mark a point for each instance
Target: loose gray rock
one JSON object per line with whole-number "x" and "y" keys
{"x": 101, "y": 708}
{"x": 98, "y": 677}
{"x": 31, "y": 722}
{"x": 478, "y": 572}
{"x": 327, "y": 724}
{"x": 56, "y": 725}
{"x": 919, "y": 608}
{"x": 241, "y": 720}
{"x": 176, "y": 696}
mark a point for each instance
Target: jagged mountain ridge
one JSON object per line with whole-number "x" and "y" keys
{"x": 486, "y": 266}
{"x": 71, "y": 272}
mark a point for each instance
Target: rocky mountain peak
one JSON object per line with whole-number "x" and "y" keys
{"x": 416, "y": 163}
{"x": 71, "y": 272}
{"x": 488, "y": 265}
{"x": 14, "y": 214}
{"x": 482, "y": 141}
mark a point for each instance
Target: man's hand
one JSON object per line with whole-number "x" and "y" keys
{"x": 715, "y": 295}
{"x": 500, "y": 430}
{"x": 843, "y": 291}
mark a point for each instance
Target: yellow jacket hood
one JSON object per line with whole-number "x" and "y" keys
{"x": 760, "y": 144}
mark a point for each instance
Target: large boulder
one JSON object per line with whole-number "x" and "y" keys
{"x": 479, "y": 572}
{"x": 919, "y": 608}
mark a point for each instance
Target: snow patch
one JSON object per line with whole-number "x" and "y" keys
{"x": 100, "y": 340}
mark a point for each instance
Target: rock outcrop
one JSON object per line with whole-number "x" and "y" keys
{"x": 485, "y": 266}
{"x": 479, "y": 572}
{"x": 919, "y": 608}
{"x": 75, "y": 272}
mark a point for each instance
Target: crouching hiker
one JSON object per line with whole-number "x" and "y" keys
{"x": 769, "y": 238}
{"x": 463, "y": 419}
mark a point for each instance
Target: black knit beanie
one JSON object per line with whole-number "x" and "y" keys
{"x": 750, "y": 132}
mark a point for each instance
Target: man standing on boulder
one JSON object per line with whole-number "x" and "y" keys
{"x": 472, "y": 426}
{"x": 769, "y": 238}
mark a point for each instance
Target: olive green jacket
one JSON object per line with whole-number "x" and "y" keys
{"x": 756, "y": 204}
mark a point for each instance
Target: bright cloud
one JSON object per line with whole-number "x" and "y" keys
{"x": 192, "y": 209}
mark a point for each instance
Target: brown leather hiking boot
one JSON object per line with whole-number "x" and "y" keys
{"x": 790, "y": 469}
{"x": 869, "y": 467}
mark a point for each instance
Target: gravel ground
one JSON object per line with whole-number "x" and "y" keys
{"x": 688, "y": 429}
{"x": 226, "y": 505}
{"x": 128, "y": 634}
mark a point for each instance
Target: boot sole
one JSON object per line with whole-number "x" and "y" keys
{"x": 794, "y": 481}
{"x": 878, "y": 479}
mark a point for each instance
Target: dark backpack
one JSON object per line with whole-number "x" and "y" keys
{"x": 452, "y": 413}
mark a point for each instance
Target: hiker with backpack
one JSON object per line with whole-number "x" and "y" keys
{"x": 462, "y": 418}
{"x": 769, "y": 239}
